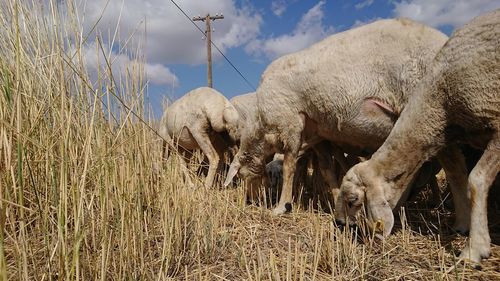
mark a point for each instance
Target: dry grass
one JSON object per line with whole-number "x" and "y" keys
{"x": 83, "y": 194}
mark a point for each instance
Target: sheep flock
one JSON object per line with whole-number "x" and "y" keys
{"x": 380, "y": 109}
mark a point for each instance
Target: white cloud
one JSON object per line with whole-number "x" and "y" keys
{"x": 309, "y": 30}
{"x": 444, "y": 12}
{"x": 278, "y": 7}
{"x": 170, "y": 37}
{"x": 160, "y": 75}
{"x": 122, "y": 65}
{"x": 363, "y": 4}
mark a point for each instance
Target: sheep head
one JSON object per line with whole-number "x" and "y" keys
{"x": 361, "y": 186}
{"x": 250, "y": 162}
{"x": 247, "y": 164}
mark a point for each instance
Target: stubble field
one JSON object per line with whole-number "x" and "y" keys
{"x": 84, "y": 194}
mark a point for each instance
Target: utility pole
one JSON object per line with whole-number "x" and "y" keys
{"x": 208, "y": 33}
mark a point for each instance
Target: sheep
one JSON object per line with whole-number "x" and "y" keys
{"x": 198, "y": 120}
{"x": 348, "y": 88}
{"x": 458, "y": 101}
{"x": 246, "y": 105}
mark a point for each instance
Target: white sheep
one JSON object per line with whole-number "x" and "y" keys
{"x": 198, "y": 120}
{"x": 348, "y": 89}
{"x": 457, "y": 101}
{"x": 246, "y": 106}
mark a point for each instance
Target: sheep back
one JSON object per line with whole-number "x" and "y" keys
{"x": 329, "y": 80}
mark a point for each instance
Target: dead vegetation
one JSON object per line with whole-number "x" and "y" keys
{"x": 83, "y": 193}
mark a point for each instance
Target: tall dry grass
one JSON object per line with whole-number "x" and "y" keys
{"x": 84, "y": 194}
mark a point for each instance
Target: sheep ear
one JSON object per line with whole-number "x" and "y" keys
{"x": 372, "y": 104}
{"x": 379, "y": 213}
{"x": 233, "y": 170}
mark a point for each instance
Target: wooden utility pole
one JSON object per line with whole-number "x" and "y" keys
{"x": 208, "y": 33}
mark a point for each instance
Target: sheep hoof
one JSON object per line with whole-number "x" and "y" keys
{"x": 474, "y": 256}
{"x": 280, "y": 210}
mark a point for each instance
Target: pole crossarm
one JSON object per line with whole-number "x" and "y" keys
{"x": 208, "y": 16}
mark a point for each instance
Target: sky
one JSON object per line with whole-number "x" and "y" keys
{"x": 251, "y": 35}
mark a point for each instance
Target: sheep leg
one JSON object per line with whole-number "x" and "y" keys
{"x": 185, "y": 158}
{"x": 221, "y": 147}
{"x": 183, "y": 164}
{"x": 165, "y": 150}
{"x": 453, "y": 163}
{"x": 480, "y": 180}
{"x": 327, "y": 168}
{"x": 289, "y": 166}
{"x": 296, "y": 136}
{"x": 435, "y": 191}
{"x": 203, "y": 140}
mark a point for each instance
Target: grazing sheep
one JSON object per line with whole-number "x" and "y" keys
{"x": 348, "y": 89}
{"x": 199, "y": 120}
{"x": 246, "y": 105}
{"x": 457, "y": 101}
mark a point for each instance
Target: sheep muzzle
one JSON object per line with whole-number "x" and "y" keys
{"x": 233, "y": 170}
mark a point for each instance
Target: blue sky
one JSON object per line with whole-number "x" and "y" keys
{"x": 252, "y": 34}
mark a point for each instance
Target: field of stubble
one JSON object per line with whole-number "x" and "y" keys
{"x": 84, "y": 194}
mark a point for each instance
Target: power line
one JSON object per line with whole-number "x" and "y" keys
{"x": 215, "y": 46}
